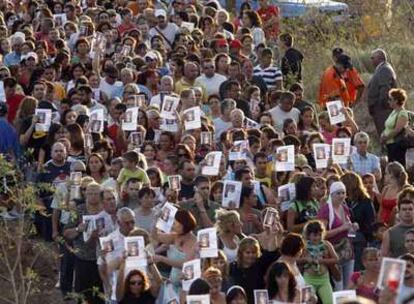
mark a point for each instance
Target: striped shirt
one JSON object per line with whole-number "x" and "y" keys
{"x": 270, "y": 75}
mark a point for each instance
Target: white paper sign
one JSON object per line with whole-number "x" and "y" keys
{"x": 97, "y": 114}
{"x": 251, "y": 124}
{"x": 335, "y": 112}
{"x": 344, "y": 296}
{"x": 169, "y": 125}
{"x": 212, "y": 166}
{"x": 285, "y": 158}
{"x": 96, "y": 118}
{"x": 207, "y": 240}
{"x": 130, "y": 122}
{"x": 174, "y": 182}
{"x": 187, "y": 25}
{"x": 166, "y": 220}
{"x": 270, "y": 218}
{"x": 169, "y": 106}
{"x": 2, "y": 93}
{"x": 239, "y": 150}
{"x": 133, "y": 263}
{"x": 60, "y": 19}
{"x": 341, "y": 149}
{"x": 136, "y": 139}
{"x": 89, "y": 221}
{"x": 198, "y": 299}
{"x": 391, "y": 274}
{"x": 135, "y": 246}
{"x": 286, "y": 194}
{"x": 231, "y": 194}
{"x": 321, "y": 154}
{"x": 192, "y": 118}
{"x": 261, "y": 296}
{"x": 206, "y": 138}
{"x": 409, "y": 158}
{"x": 44, "y": 120}
{"x": 191, "y": 271}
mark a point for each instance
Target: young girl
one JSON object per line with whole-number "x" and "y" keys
{"x": 307, "y": 124}
{"x": 371, "y": 185}
{"x": 319, "y": 256}
{"x": 328, "y": 131}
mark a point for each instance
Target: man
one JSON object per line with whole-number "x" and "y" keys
{"x": 266, "y": 69}
{"x": 13, "y": 100}
{"x": 14, "y": 57}
{"x": 333, "y": 84}
{"x": 131, "y": 190}
{"x": 39, "y": 90}
{"x": 127, "y": 21}
{"x": 223, "y": 123}
{"x": 109, "y": 85}
{"x": 186, "y": 169}
{"x": 232, "y": 89}
{"x": 9, "y": 143}
{"x": 292, "y": 60}
{"x": 166, "y": 29}
{"x": 203, "y": 209}
{"x": 362, "y": 161}
{"x": 191, "y": 72}
{"x": 393, "y": 240}
{"x": 383, "y": 80}
{"x": 260, "y": 163}
{"x": 154, "y": 124}
{"x": 210, "y": 80}
{"x": 409, "y": 241}
{"x": 166, "y": 88}
{"x": 407, "y": 289}
{"x": 284, "y": 110}
{"x": 85, "y": 94}
{"x": 55, "y": 172}
{"x": 264, "y": 194}
{"x": 237, "y": 119}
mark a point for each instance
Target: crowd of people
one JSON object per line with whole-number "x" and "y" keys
{"x": 131, "y": 110}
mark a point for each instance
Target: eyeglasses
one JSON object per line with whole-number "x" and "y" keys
{"x": 139, "y": 283}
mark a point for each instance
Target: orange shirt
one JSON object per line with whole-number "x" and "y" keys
{"x": 353, "y": 82}
{"x": 333, "y": 86}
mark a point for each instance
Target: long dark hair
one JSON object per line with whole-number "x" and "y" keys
{"x": 277, "y": 269}
{"x": 304, "y": 188}
{"x": 145, "y": 282}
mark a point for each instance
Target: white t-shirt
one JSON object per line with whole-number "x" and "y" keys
{"x": 169, "y": 32}
{"x": 279, "y": 116}
{"x": 220, "y": 126}
{"x": 110, "y": 89}
{"x": 211, "y": 84}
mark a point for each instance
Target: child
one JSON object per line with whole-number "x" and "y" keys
{"x": 371, "y": 185}
{"x": 378, "y": 230}
{"x": 328, "y": 131}
{"x": 319, "y": 256}
{"x": 130, "y": 169}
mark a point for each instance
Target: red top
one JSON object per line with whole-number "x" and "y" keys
{"x": 363, "y": 290}
{"x": 387, "y": 206}
{"x": 13, "y": 102}
{"x": 267, "y": 13}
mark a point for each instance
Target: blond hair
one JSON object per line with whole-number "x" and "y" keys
{"x": 226, "y": 218}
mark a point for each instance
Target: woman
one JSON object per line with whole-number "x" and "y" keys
{"x": 320, "y": 256}
{"x": 304, "y": 207}
{"x": 76, "y": 71}
{"x": 69, "y": 117}
{"x": 222, "y": 62}
{"x": 77, "y": 142}
{"x": 364, "y": 282}
{"x": 395, "y": 179}
{"x": 182, "y": 245}
{"x": 104, "y": 149}
{"x": 249, "y": 216}
{"x": 221, "y": 263}
{"x": 252, "y": 21}
{"x": 166, "y": 145}
{"x": 394, "y": 126}
{"x": 216, "y": 192}
{"x": 281, "y": 284}
{"x": 213, "y": 103}
{"x": 252, "y": 262}
{"x": 307, "y": 123}
{"x": 362, "y": 211}
{"x": 228, "y": 230}
{"x": 136, "y": 288}
{"x": 25, "y": 111}
{"x": 149, "y": 149}
{"x": 337, "y": 219}
{"x": 184, "y": 152}
{"x": 370, "y": 184}
{"x": 214, "y": 278}
{"x": 96, "y": 168}
{"x": 236, "y": 295}
{"x": 291, "y": 249}
{"x": 145, "y": 213}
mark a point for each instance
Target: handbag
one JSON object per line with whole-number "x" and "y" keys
{"x": 344, "y": 250}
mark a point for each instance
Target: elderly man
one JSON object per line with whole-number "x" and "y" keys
{"x": 364, "y": 162}
{"x": 210, "y": 79}
{"x": 382, "y": 81}
{"x": 191, "y": 72}
{"x": 166, "y": 88}
{"x": 14, "y": 57}
{"x": 237, "y": 118}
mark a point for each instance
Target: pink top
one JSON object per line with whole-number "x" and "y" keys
{"x": 363, "y": 290}
{"x": 323, "y": 214}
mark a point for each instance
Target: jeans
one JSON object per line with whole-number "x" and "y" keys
{"x": 67, "y": 269}
{"x": 346, "y": 268}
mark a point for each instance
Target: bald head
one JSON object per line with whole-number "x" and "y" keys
{"x": 58, "y": 153}
{"x": 191, "y": 71}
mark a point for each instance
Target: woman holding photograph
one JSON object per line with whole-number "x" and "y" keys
{"x": 364, "y": 282}
{"x": 182, "y": 245}
{"x": 249, "y": 216}
{"x": 221, "y": 263}
{"x": 337, "y": 219}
